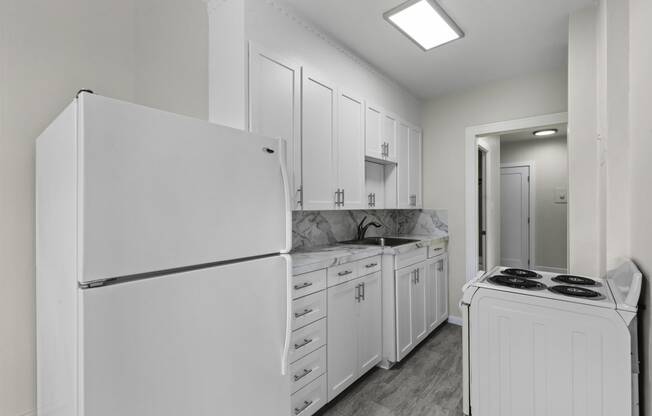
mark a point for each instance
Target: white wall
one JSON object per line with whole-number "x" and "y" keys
{"x": 551, "y": 171}
{"x": 640, "y": 103}
{"x": 274, "y": 26}
{"x": 584, "y": 213}
{"x": 494, "y": 151}
{"x": 172, "y": 56}
{"x": 445, "y": 120}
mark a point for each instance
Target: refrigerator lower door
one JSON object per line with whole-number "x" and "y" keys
{"x": 206, "y": 342}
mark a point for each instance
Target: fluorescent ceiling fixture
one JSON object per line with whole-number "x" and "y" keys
{"x": 547, "y": 132}
{"x": 424, "y": 22}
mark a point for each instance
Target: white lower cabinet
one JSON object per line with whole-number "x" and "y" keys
{"x": 421, "y": 296}
{"x": 354, "y": 331}
{"x": 410, "y": 308}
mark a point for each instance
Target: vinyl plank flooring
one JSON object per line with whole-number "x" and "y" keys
{"x": 428, "y": 382}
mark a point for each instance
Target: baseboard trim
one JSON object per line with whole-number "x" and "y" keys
{"x": 558, "y": 270}
{"x": 455, "y": 320}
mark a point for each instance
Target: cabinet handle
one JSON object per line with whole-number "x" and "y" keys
{"x": 299, "y": 410}
{"x": 300, "y": 314}
{"x": 303, "y": 286}
{"x": 387, "y": 150}
{"x": 302, "y": 375}
{"x": 362, "y": 290}
{"x": 357, "y": 293}
{"x": 305, "y": 342}
{"x": 337, "y": 197}
{"x": 300, "y": 191}
{"x": 441, "y": 265}
{"x": 343, "y": 199}
{"x": 345, "y": 272}
{"x": 370, "y": 265}
{"x": 374, "y": 200}
{"x": 370, "y": 197}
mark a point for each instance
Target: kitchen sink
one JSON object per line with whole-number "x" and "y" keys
{"x": 380, "y": 241}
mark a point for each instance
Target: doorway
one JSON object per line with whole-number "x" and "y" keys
{"x": 523, "y": 245}
{"x": 515, "y": 216}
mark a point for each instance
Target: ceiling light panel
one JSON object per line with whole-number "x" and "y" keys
{"x": 546, "y": 132}
{"x": 425, "y": 23}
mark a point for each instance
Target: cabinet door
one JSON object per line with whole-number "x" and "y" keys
{"x": 404, "y": 282}
{"x": 432, "y": 307}
{"x": 349, "y": 153}
{"x": 342, "y": 345}
{"x": 375, "y": 185}
{"x": 403, "y": 144}
{"x": 389, "y": 135}
{"x": 369, "y": 324}
{"x": 274, "y": 107}
{"x": 373, "y": 129}
{"x": 442, "y": 288}
{"x": 319, "y": 136}
{"x": 419, "y": 328}
{"x": 415, "y": 193}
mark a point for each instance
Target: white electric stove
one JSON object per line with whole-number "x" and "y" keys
{"x": 539, "y": 343}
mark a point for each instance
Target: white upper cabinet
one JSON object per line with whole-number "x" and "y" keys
{"x": 319, "y": 105}
{"x": 389, "y": 131}
{"x": 414, "y": 191}
{"x": 349, "y": 153}
{"x": 374, "y": 144}
{"x": 403, "y": 155}
{"x": 274, "y": 107}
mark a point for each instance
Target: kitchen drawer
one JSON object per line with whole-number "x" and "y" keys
{"x": 308, "y": 369}
{"x": 436, "y": 249}
{"x": 411, "y": 257}
{"x": 342, "y": 273}
{"x": 309, "y": 399}
{"x": 307, "y": 283}
{"x": 307, "y": 339}
{"x": 369, "y": 266}
{"x": 308, "y": 309}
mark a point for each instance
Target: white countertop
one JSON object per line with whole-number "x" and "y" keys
{"x": 321, "y": 257}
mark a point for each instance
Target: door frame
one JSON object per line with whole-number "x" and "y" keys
{"x": 471, "y": 174}
{"x": 531, "y": 165}
{"x": 485, "y": 152}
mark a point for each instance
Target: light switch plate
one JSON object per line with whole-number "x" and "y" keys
{"x": 561, "y": 196}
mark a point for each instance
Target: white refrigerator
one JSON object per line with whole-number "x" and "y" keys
{"x": 162, "y": 283}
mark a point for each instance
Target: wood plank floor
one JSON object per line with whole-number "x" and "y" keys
{"x": 426, "y": 383}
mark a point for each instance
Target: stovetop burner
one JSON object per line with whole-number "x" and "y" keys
{"x": 516, "y": 282}
{"x": 575, "y": 280}
{"x": 574, "y": 291}
{"x": 528, "y": 274}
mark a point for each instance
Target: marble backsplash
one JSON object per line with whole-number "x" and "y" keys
{"x": 317, "y": 228}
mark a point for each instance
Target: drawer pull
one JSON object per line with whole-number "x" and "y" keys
{"x": 299, "y": 410}
{"x": 370, "y": 265}
{"x": 300, "y": 314}
{"x": 438, "y": 249}
{"x": 345, "y": 272}
{"x": 303, "y": 286}
{"x": 306, "y": 341}
{"x": 302, "y": 375}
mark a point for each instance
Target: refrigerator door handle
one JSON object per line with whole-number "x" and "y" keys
{"x": 288, "y": 199}
{"x": 285, "y": 365}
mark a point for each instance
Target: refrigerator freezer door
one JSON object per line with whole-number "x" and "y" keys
{"x": 203, "y": 343}
{"x": 160, "y": 191}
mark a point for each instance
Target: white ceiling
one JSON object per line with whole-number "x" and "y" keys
{"x": 528, "y": 134}
{"x": 504, "y": 39}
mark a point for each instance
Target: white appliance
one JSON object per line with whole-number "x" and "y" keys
{"x": 162, "y": 289}
{"x": 537, "y": 343}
